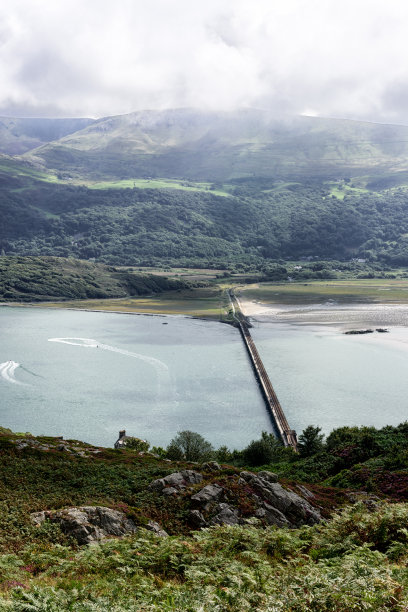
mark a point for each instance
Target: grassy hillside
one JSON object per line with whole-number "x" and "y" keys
{"x": 355, "y": 559}
{"x": 18, "y": 135}
{"x": 213, "y": 146}
{"x": 45, "y": 278}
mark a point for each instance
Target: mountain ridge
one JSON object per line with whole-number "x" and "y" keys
{"x": 21, "y": 134}
{"x": 198, "y": 145}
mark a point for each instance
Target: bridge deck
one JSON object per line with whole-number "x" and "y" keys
{"x": 274, "y": 408}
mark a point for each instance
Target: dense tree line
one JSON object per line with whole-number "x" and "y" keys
{"x": 252, "y": 226}
{"x": 40, "y": 278}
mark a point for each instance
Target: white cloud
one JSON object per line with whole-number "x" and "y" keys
{"x": 103, "y": 57}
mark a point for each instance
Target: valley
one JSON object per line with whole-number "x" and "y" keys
{"x": 235, "y": 191}
{"x": 162, "y": 214}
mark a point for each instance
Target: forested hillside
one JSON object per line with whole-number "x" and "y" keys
{"x": 198, "y": 189}
{"x": 258, "y": 221}
{"x": 41, "y": 278}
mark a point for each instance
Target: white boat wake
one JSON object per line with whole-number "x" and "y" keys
{"x": 161, "y": 368}
{"x": 7, "y": 370}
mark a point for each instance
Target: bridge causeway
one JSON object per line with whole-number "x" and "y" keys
{"x": 280, "y": 423}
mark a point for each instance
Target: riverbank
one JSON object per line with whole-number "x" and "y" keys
{"x": 202, "y": 302}
{"x": 342, "y": 304}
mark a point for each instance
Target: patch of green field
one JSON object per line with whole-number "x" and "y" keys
{"x": 312, "y": 292}
{"x": 339, "y": 191}
{"x": 15, "y": 169}
{"x": 280, "y": 187}
{"x": 154, "y": 184}
{"x": 19, "y": 170}
{"x": 189, "y": 274}
{"x": 209, "y": 303}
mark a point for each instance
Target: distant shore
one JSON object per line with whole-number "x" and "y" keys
{"x": 330, "y": 313}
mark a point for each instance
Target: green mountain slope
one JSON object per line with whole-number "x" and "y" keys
{"x": 213, "y": 146}
{"x": 18, "y": 135}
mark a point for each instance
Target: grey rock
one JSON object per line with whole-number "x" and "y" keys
{"x": 37, "y": 518}
{"x": 192, "y": 477}
{"x": 88, "y": 523}
{"x": 247, "y": 476}
{"x": 197, "y": 519}
{"x": 305, "y": 492}
{"x": 177, "y": 480}
{"x": 273, "y": 516}
{"x": 211, "y": 466}
{"x": 207, "y": 496}
{"x": 157, "y": 485}
{"x": 169, "y": 491}
{"x": 226, "y": 516}
{"x": 296, "y": 510}
{"x": 155, "y": 527}
{"x": 268, "y": 476}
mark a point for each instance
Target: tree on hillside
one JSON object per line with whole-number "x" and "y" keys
{"x": 310, "y": 441}
{"x": 263, "y": 451}
{"x": 190, "y": 446}
{"x": 137, "y": 444}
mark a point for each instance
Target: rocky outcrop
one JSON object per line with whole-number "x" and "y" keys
{"x": 88, "y": 523}
{"x": 219, "y": 505}
{"x": 280, "y": 505}
{"x": 207, "y": 496}
{"x": 155, "y": 527}
{"x": 226, "y": 515}
{"x": 173, "y": 483}
{"x": 79, "y": 449}
{"x": 211, "y": 466}
{"x": 237, "y": 500}
{"x": 197, "y": 519}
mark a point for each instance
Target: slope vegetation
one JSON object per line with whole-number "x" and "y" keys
{"x": 260, "y": 221}
{"x": 18, "y": 135}
{"x": 184, "y": 187}
{"x": 197, "y": 145}
{"x": 44, "y": 278}
{"x": 355, "y": 559}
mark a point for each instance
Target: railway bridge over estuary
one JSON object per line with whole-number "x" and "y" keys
{"x": 280, "y": 423}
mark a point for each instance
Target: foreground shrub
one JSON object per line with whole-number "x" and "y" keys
{"x": 356, "y": 561}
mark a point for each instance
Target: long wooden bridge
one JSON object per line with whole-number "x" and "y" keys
{"x": 287, "y": 435}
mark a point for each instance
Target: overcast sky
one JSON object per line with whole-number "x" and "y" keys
{"x": 333, "y": 58}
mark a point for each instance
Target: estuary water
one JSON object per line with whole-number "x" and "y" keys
{"x": 86, "y": 375}
{"x": 326, "y": 378}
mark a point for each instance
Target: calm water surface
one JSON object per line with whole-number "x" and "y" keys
{"x": 103, "y": 372}
{"x": 323, "y": 377}
{"x": 86, "y": 375}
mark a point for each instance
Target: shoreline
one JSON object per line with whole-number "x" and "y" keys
{"x": 337, "y": 319}
{"x": 329, "y": 313}
{"x": 120, "y": 312}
